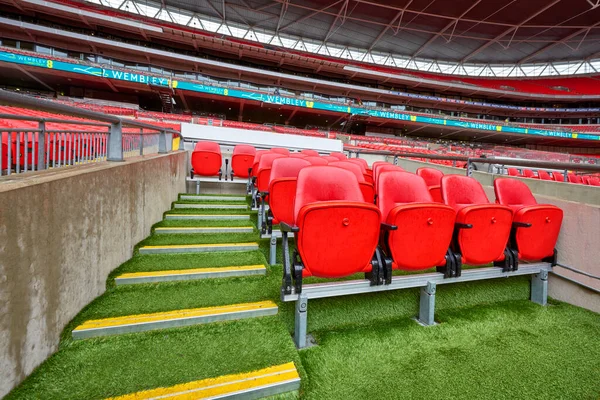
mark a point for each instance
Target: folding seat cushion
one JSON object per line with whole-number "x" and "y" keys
{"x": 337, "y": 231}
{"x": 366, "y": 188}
{"x": 242, "y": 159}
{"x": 513, "y": 172}
{"x": 558, "y": 177}
{"x": 308, "y": 152}
{"x": 257, "y": 156}
{"x": 574, "y": 178}
{"x": 433, "y": 179}
{"x": 543, "y": 175}
{"x": 319, "y": 161}
{"x": 339, "y": 156}
{"x": 206, "y": 159}
{"x": 280, "y": 150}
{"x": 527, "y": 173}
{"x": 425, "y": 227}
{"x": 537, "y": 241}
{"x": 282, "y": 188}
{"x": 264, "y": 170}
{"x": 482, "y": 229}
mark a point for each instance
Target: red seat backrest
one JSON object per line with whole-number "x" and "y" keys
{"x": 513, "y": 172}
{"x": 206, "y": 158}
{"x": 398, "y": 187}
{"x": 355, "y": 169}
{"x": 280, "y": 150}
{"x": 528, "y": 173}
{"x": 242, "y": 159}
{"x": 432, "y": 176}
{"x": 339, "y": 156}
{"x": 257, "y": 156}
{"x": 513, "y": 193}
{"x": 384, "y": 168}
{"x": 544, "y": 175}
{"x": 298, "y": 155}
{"x": 461, "y": 191}
{"x": 594, "y": 181}
{"x": 574, "y": 178}
{"x": 558, "y": 177}
{"x": 330, "y": 158}
{"x": 319, "y": 161}
{"x": 324, "y": 183}
{"x": 264, "y": 170}
{"x": 360, "y": 162}
{"x": 282, "y": 187}
{"x": 308, "y": 152}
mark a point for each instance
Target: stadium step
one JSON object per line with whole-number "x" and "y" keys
{"x": 212, "y": 206}
{"x": 211, "y": 198}
{"x": 198, "y": 248}
{"x": 208, "y": 216}
{"x": 189, "y": 274}
{"x": 266, "y": 382}
{"x": 172, "y": 319}
{"x": 186, "y": 229}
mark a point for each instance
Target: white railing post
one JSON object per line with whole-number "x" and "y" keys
{"x": 115, "y": 142}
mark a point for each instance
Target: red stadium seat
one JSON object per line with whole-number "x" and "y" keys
{"x": 336, "y": 232}
{"x": 241, "y": 160}
{"x": 206, "y": 159}
{"x": 482, "y": 229}
{"x": 339, "y": 156}
{"x": 574, "y": 178}
{"x": 280, "y": 150}
{"x": 366, "y": 188}
{"x": 543, "y": 175}
{"x": 318, "y": 161}
{"x": 585, "y": 180}
{"x": 558, "y": 177}
{"x": 257, "y": 156}
{"x": 331, "y": 158}
{"x": 282, "y": 190}
{"x": 360, "y": 161}
{"x": 594, "y": 181}
{"x": 263, "y": 175}
{"x": 433, "y": 179}
{"x": 425, "y": 227}
{"x": 535, "y": 226}
{"x": 311, "y": 153}
{"x": 513, "y": 172}
{"x": 298, "y": 155}
{"x": 384, "y": 168}
{"x": 527, "y": 173}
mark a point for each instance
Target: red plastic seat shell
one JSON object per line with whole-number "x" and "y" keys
{"x": 317, "y": 161}
{"x": 257, "y": 156}
{"x": 280, "y": 150}
{"x": 339, "y": 156}
{"x": 558, "y": 177}
{"x": 264, "y": 170}
{"x": 433, "y": 178}
{"x": 310, "y": 153}
{"x": 543, "y": 175}
{"x": 206, "y": 158}
{"x": 242, "y": 159}
{"x": 282, "y": 188}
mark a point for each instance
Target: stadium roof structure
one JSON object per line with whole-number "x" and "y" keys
{"x": 515, "y": 38}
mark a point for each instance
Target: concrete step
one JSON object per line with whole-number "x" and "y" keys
{"x": 192, "y": 197}
{"x": 209, "y": 216}
{"x": 172, "y": 319}
{"x": 259, "y": 384}
{"x": 198, "y": 248}
{"x": 189, "y": 274}
{"x": 185, "y": 229}
{"x": 212, "y": 206}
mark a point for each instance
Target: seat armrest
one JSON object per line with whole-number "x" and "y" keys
{"x": 284, "y": 227}
{"x": 388, "y": 227}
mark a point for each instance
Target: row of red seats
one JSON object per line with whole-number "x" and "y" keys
{"x": 554, "y": 176}
{"x": 338, "y": 233}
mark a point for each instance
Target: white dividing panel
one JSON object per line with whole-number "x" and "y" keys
{"x": 260, "y": 139}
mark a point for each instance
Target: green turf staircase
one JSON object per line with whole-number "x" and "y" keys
{"x": 196, "y": 312}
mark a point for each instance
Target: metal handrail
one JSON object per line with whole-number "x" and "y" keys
{"x": 53, "y": 120}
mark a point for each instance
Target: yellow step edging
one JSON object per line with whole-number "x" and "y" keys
{"x": 261, "y": 383}
{"x": 189, "y": 274}
{"x": 198, "y": 248}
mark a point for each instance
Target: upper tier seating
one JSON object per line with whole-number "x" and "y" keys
{"x": 206, "y": 159}
{"x": 241, "y": 160}
{"x": 336, "y": 232}
{"x": 482, "y": 229}
{"x": 433, "y": 179}
{"x": 535, "y": 226}
{"x": 424, "y": 229}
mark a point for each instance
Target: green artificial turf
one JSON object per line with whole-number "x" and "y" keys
{"x": 209, "y": 211}
{"x": 510, "y": 350}
{"x": 212, "y": 202}
{"x": 117, "y": 365}
{"x": 197, "y": 238}
{"x": 188, "y": 223}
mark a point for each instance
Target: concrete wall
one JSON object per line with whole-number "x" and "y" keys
{"x": 61, "y": 233}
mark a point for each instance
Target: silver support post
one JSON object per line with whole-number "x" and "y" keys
{"x": 566, "y": 176}
{"x": 115, "y": 142}
{"x": 300, "y": 321}
{"x": 197, "y": 187}
{"x": 141, "y": 141}
{"x": 181, "y": 144}
{"x": 539, "y": 288}
{"x": 169, "y": 137}
{"x": 162, "y": 142}
{"x": 261, "y": 212}
{"x": 469, "y": 168}
{"x": 427, "y": 304}
{"x": 273, "y": 250}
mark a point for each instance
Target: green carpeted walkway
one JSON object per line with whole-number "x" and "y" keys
{"x": 490, "y": 343}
